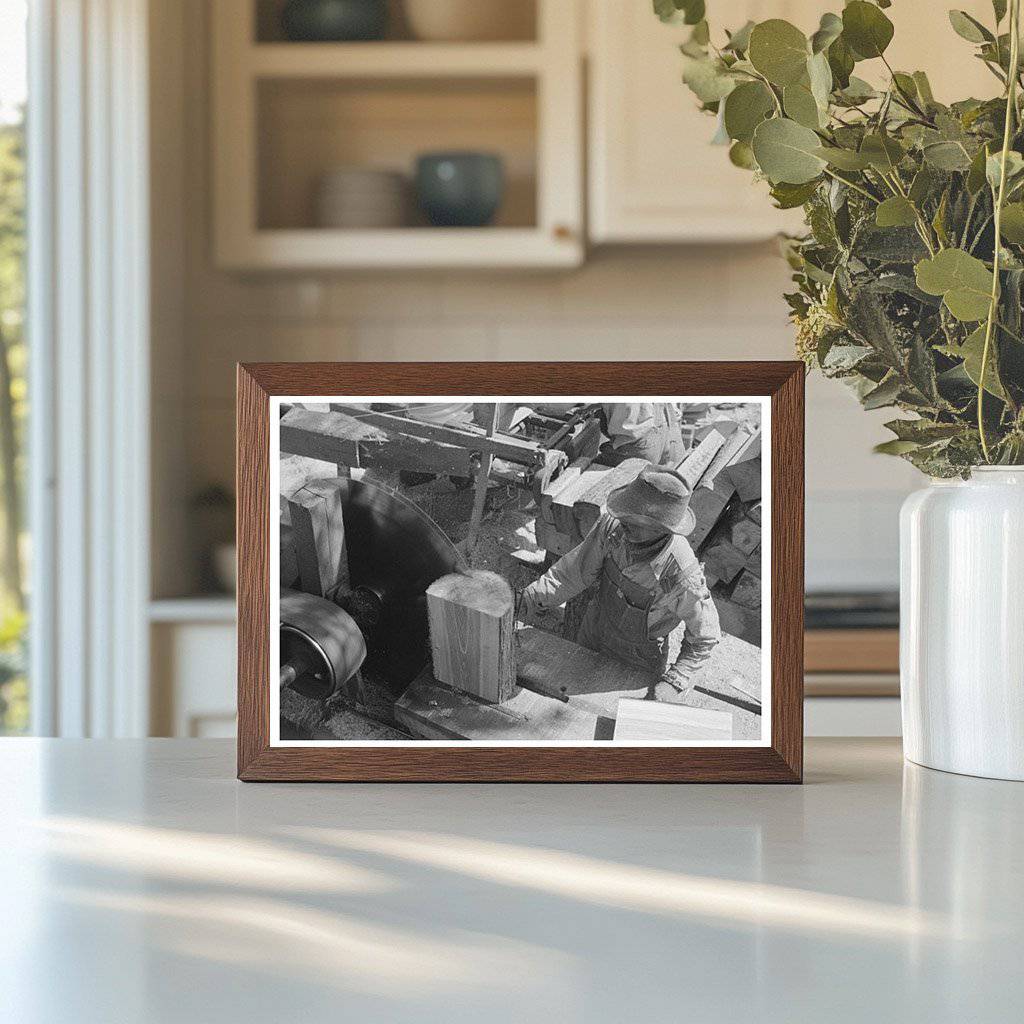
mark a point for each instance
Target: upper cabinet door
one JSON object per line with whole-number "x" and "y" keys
{"x": 654, "y": 175}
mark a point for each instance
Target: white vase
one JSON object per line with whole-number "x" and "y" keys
{"x": 962, "y": 624}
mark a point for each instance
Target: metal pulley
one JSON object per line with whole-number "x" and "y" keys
{"x": 322, "y": 648}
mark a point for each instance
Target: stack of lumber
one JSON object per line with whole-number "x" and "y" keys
{"x": 728, "y": 536}
{"x": 723, "y": 466}
{"x": 574, "y": 500}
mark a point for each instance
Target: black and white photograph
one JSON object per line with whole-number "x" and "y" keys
{"x": 531, "y": 570}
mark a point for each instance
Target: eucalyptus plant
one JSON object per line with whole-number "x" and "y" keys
{"x": 910, "y": 277}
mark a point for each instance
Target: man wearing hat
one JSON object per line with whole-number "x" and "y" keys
{"x": 648, "y": 582}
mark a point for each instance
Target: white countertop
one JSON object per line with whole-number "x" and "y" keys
{"x": 140, "y": 882}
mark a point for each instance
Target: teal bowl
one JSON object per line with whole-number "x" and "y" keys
{"x": 462, "y": 190}
{"x": 334, "y": 21}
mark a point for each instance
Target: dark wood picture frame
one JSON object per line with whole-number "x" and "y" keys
{"x": 781, "y": 761}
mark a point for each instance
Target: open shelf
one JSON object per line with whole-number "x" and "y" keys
{"x": 391, "y": 60}
{"x": 309, "y": 127}
{"x": 520, "y": 22}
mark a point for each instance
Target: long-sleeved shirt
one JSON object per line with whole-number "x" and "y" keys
{"x": 672, "y": 573}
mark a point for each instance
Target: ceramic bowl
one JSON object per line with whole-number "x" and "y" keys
{"x": 470, "y": 20}
{"x": 332, "y": 21}
{"x": 460, "y": 189}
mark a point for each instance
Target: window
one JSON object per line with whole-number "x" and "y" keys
{"x": 14, "y": 695}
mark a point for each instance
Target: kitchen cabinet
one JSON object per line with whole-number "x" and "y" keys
{"x": 653, "y": 175}
{"x": 287, "y": 114}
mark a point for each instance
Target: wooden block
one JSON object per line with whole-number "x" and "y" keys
{"x": 472, "y": 620}
{"x": 590, "y": 504}
{"x": 746, "y": 477}
{"x": 568, "y": 476}
{"x": 551, "y": 540}
{"x": 563, "y": 504}
{"x": 708, "y": 504}
{"x": 746, "y": 591}
{"x": 585, "y": 441}
{"x": 754, "y": 561}
{"x": 725, "y": 427}
{"x": 554, "y": 661}
{"x": 723, "y": 560}
{"x": 289, "y": 563}
{"x": 734, "y": 444}
{"x": 653, "y": 720}
{"x": 318, "y": 533}
{"x": 692, "y": 468}
{"x": 737, "y": 620}
{"x": 433, "y": 711}
{"x": 745, "y": 470}
{"x": 295, "y": 470}
{"x": 743, "y": 533}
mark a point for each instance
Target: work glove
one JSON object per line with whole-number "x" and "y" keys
{"x": 672, "y": 688}
{"x": 532, "y": 610}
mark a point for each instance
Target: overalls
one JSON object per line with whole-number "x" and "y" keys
{"x": 616, "y": 623}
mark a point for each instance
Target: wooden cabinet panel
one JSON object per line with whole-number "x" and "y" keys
{"x": 653, "y": 175}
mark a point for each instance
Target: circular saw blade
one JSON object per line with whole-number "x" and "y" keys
{"x": 396, "y": 550}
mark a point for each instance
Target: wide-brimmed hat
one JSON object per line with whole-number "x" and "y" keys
{"x": 658, "y": 495}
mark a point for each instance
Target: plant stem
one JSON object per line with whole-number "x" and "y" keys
{"x": 1011, "y": 108}
{"x": 853, "y": 185}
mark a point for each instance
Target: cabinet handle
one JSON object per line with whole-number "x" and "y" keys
{"x": 562, "y": 232}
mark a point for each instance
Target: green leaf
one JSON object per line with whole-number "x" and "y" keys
{"x": 739, "y": 41}
{"x": 895, "y": 212}
{"x": 779, "y": 51}
{"x": 690, "y": 12}
{"x": 707, "y": 78}
{"x": 841, "y": 62}
{"x": 829, "y": 30}
{"x": 993, "y": 167}
{"x": 801, "y": 106}
{"x": 788, "y": 196}
{"x": 885, "y": 394}
{"x": 969, "y": 28}
{"x": 971, "y": 352}
{"x": 924, "y": 88}
{"x": 787, "y": 151}
{"x": 701, "y": 34}
{"x": 1012, "y": 224}
{"x": 866, "y": 29}
{"x": 857, "y": 91}
{"x": 745, "y": 108}
{"x": 741, "y": 155}
{"x": 882, "y": 151}
{"x": 844, "y": 159}
{"x": 819, "y": 74}
{"x": 895, "y": 447}
{"x": 963, "y": 281}
{"x": 999, "y": 9}
{"x": 666, "y": 10}
{"x": 922, "y": 185}
{"x": 976, "y": 173}
{"x": 923, "y": 431}
{"x": 947, "y": 156}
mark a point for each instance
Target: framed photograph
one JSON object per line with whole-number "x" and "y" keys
{"x": 578, "y": 572}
